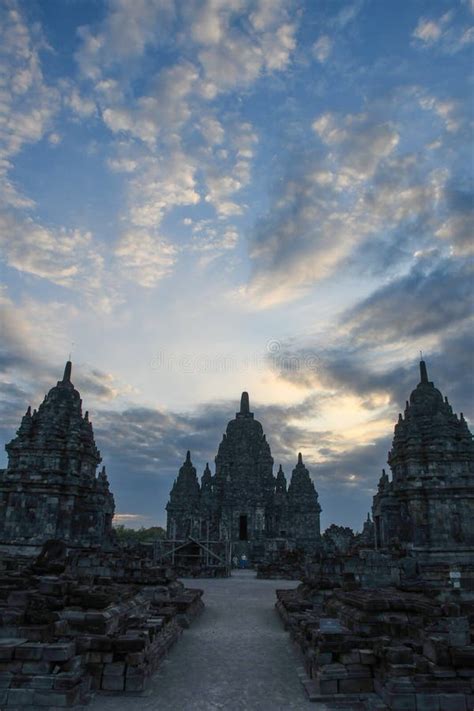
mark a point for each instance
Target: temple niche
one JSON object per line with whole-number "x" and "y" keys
{"x": 50, "y": 489}
{"x": 427, "y": 507}
{"x": 243, "y": 502}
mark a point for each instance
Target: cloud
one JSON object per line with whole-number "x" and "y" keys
{"x": 211, "y": 242}
{"x": 68, "y": 258}
{"x": 231, "y": 57}
{"x": 446, "y": 110}
{"x": 165, "y": 108}
{"x": 322, "y": 48}
{"x": 458, "y": 228}
{"x": 347, "y": 481}
{"x": 229, "y": 46}
{"x": 82, "y": 106}
{"x": 28, "y": 105}
{"x": 160, "y": 186}
{"x": 317, "y": 217}
{"x": 144, "y": 259}
{"x": 363, "y": 142}
{"x": 427, "y": 300}
{"x": 347, "y": 14}
{"x": 370, "y": 350}
{"x": 448, "y": 33}
{"x": 428, "y": 31}
{"x": 365, "y": 194}
{"x": 125, "y": 33}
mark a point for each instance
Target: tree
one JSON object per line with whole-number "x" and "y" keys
{"x": 140, "y": 535}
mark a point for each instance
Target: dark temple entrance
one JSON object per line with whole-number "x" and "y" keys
{"x": 243, "y": 528}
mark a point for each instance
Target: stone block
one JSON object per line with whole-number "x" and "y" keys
{"x": 350, "y": 657}
{"x": 93, "y": 658}
{"x": 5, "y": 679}
{"x": 452, "y": 702}
{"x": 129, "y": 644}
{"x": 73, "y": 664}
{"x": 427, "y": 702}
{"x": 356, "y": 686}
{"x": 54, "y": 698}
{"x": 20, "y": 697}
{"x": 435, "y": 649}
{"x": 114, "y": 669}
{"x": 333, "y": 671}
{"x": 83, "y": 644}
{"x": 14, "y": 665}
{"x": 8, "y": 646}
{"x": 459, "y": 639}
{"x": 136, "y": 683}
{"x": 30, "y": 651}
{"x": 66, "y": 680}
{"x": 113, "y": 682}
{"x": 397, "y": 701}
{"x": 399, "y": 655}
{"x": 59, "y": 652}
{"x": 463, "y": 656}
{"x": 136, "y": 671}
{"x": 42, "y": 667}
{"x": 19, "y": 598}
{"x": 39, "y": 681}
{"x": 327, "y": 686}
{"x": 324, "y": 658}
{"x": 135, "y": 658}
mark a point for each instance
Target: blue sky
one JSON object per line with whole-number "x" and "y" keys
{"x": 200, "y": 198}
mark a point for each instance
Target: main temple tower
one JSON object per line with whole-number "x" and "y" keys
{"x": 243, "y": 502}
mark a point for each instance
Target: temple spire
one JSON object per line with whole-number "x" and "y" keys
{"x": 244, "y": 404}
{"x": 67, "y": 372}
{"x": 423, "y": 372}
{"x": 188, "y": 456}
{"x": 300, "y": 458}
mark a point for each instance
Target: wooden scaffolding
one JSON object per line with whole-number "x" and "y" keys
{"x": 210, "y": 554}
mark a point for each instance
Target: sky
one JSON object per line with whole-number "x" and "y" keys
{"x": 204, "y": 197}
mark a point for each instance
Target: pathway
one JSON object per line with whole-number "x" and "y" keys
{"x": 235, "y": 656}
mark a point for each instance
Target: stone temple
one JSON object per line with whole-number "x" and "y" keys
{"x": 243, "y": 502}
{"x": 50, "y": 489}
{"x": 427, "y": 507}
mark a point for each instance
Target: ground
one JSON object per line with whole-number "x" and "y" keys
{"x": 236, "y": 656}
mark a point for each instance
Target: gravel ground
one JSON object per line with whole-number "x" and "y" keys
{"x": 235, "y": 656}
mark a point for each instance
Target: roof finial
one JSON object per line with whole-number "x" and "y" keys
{"x": 67, "y": 372}
{"x": 300, "y": 458}
{"x": 244, "y": 404}
{"x": 188, "y": 456}
{"x": 423, "y": 371}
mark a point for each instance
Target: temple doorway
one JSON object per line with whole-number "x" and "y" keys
{"x": 243, "y": 536}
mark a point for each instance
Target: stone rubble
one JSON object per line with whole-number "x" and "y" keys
{"x": 87, "y": 624}
{"x": 407, "y": 650}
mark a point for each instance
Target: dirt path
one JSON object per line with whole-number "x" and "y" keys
{"x": 236, "y": 656}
